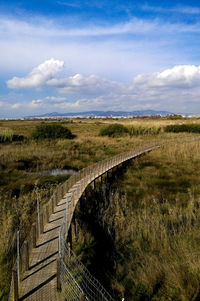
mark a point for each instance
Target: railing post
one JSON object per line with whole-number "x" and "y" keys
{"x": 52, "y": 205}
{"x": 41, "y": 223}
{"x": 38, "y": 212}
{"x": 82, "y": 297}
{"x": 67, "y": 186}
{"x": 34, "y": 234}
{"x": 70, "y": 182}
{"x": 66, "y": 216}
{"x": 59, "y": 244}
{"x": 56, "y": 196}
{"x": 62, "y": 191}
{"x": 15, "y": 284}
{"x": 18, "y": 257}
{"x": 26, "y": 255}
{"x": 58, "y": 273}
{"x": 47, "y": 212}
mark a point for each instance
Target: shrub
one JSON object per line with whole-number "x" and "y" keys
{"x": 179, "y": 128}
{"x": 114, "y": 130}
{"x": 52, "y": 131}
{"x": 174, "y": 117}
{"x": 6, "y": 135}
{"x": 144, "y": 130}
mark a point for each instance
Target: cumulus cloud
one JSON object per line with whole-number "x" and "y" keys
{"x": 38, "y": 76}
{"x": 186, "y": 76}
{"x": 91, "y": 85}
{"x": 43, "y": 76}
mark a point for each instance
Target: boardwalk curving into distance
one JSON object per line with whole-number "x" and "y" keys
{"x": 43, "y": 273}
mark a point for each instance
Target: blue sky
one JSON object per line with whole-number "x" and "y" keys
{"x": 70, "y": 56}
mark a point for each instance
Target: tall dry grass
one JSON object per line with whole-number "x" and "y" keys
{"x": 152, "y": 219}
{"x": 16, "y": 158}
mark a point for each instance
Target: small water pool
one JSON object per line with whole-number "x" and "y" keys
{"x": 54, "y": 172}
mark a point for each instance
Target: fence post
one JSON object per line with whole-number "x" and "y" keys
{"x": 62, "y": 191}
{"x": 58, "y": 273}
{"x": 59, "y": 244}
{"x": 66, "y": 217}
{"x": 66, "y": 186}
{"x": 26, "y": 255}
{"x": 47, "y": 212}
{"x": 82, "y": 297}
{"x": 18, "y": 256}
{"x": 15, "y": 284}
{"x": 38, "y": 212}
{"x": 56, "y": 196}
{"x": 41, "y": 223}
{"x": 52, "y": 205}
{"x": 34, "y": 234}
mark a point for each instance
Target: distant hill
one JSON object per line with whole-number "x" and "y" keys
{"x": 104, "y": 114}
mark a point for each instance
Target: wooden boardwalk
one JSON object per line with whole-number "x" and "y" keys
{"x": 39, "y": 282}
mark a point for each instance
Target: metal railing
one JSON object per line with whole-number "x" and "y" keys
{"x": 75, "y": 279}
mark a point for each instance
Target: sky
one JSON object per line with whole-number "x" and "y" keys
{"x": 74, "y": 56}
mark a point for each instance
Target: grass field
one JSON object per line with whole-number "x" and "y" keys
{"x": 17, "y": 200}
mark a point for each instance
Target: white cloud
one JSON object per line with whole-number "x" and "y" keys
{"x": 189, "y": 10}
{"x": 91, "y": 85}
{"x": 16, "y": 105}
{"x": 42, "y": 76}
{"x": 186, "y": 76}
{"x": 48, "y": 28}
{"x": 3, "y": 104}
{"x": 38, "y": 76}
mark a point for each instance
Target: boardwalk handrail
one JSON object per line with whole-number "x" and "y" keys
{"x": 71, "y": 191}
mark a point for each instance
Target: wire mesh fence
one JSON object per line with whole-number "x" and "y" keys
{"x": 77, "y": 280}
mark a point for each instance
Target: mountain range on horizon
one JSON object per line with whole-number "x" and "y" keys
{"x": 104, "y": 114}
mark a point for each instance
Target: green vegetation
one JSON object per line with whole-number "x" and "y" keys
{"x": 6, "y": 134}
{"x": 144, "y": 130}
{"x": 180, "y": 128}
{"x": 52, "y": 131}
{"x": 114, "y": 130}
{"x": 174, "y": 117}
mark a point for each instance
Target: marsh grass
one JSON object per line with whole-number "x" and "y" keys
{"x": 6, "y": 134}
{"x": 150, "y": 223}
{"x": 17, "y": 200}
{"x": 114, "y": 130}
{"x": 180, "y": 128}
{"x": 144, "y": 130}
